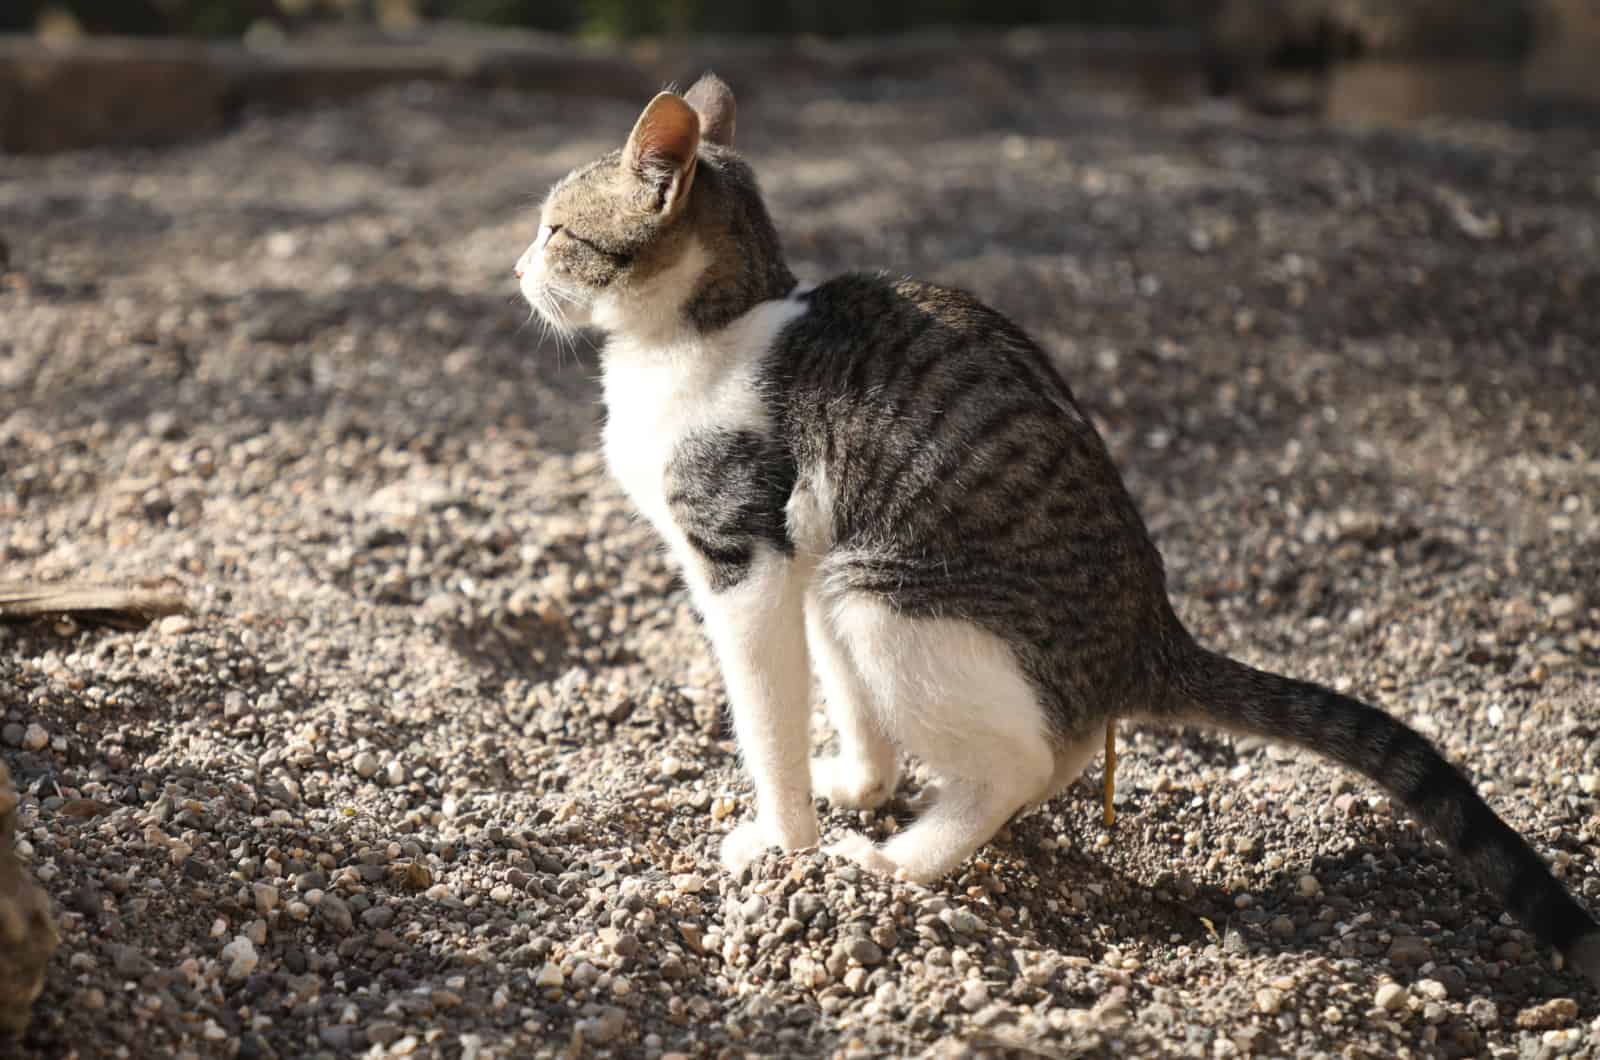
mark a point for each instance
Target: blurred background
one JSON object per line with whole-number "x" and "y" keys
{"x": 1528, "y": 61}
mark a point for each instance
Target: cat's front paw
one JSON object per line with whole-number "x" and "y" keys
{"x": 740, "y": 846}
{"x": 850, "y": 784}
{"x": 864, "y": 852}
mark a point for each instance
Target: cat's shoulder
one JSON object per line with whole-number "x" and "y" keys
{"x": 873, "y": 297}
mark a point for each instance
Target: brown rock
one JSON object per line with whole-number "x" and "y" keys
{"x": 27, "y": 934}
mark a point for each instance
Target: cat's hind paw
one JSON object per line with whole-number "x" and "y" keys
{"x": 850, "y": 784}
{"x": 864, "y": 852}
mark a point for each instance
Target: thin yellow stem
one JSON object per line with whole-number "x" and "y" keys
{"x": 1111, "y": 770}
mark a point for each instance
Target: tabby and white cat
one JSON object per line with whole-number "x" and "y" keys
{"x": 888, "y": 484}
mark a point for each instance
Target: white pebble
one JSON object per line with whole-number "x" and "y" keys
{"x": 549, "y": 977}
{"x": 1391, "y": 997}
{"x": 241, "y": 957}
{"x": 35, "y": 737}
{"x": 365, "y": 765}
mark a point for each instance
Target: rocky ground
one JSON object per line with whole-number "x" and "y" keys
{"x": 437, "y": 765}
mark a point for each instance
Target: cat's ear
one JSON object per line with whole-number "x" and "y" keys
{"x": 712, "y": 99}
{"x": 661, "y": 150}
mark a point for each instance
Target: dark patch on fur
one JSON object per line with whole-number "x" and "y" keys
{"x": 727, "y": 491}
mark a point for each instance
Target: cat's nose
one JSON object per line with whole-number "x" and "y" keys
{"x": 517, "y": 268}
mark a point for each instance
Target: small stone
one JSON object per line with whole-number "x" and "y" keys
{"x": 1391, "y": 997}
{"x": 241, "y": 957}
{"x": 383, "y": 1032}
{"x": 864, "y": 952}
{"x": 1564, "y": 605}
{"x": 378, "y": 917}
{"x": 1269, "y": 1000}
{"x": 129, "y": 962}
{"x": 1553, "y": 1014}
{"x": 604, "y": 1028}
{"x": 1309, "y": 886}
{"x": 266, "y": 897}
{"x": 394, "y": 773}
{"x": 549, "y": 977}
{"x": 804, "y": 906}
{"x": 1589, "y": 783}
{"x": 689, "y": 883}
{"x": 1410, "y": 949}
{"x": 366, "y": 765}
{"x": 1430, "y": 989}
{"x": 175, "y": 625}
{"x": 1483, "y": 1012}
{"x": 961, "y": 921}
{"x": 35, "y": 737}
{"x": 337, "y": 914}
{"x": 974, "y": 995}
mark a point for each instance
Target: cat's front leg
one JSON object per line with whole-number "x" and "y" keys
{"x": 757, "y": 627}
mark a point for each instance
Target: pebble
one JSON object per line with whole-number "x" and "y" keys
{"x": 1410, "y": 949}
{"x": 337, "y": 913}
{"x": 241, "y": 957}
{"x": 1269, "y": 1000}
{"x": 1552, "y": 1014}
{"x": 35, "y": 737}
{"x": 1309, "y": 886}
{"x": 1430, "y": 989}
{"x": 366, "y": 765}
{"x": 1589, "y": 783}
{"x": 604, "y": 1028}
{"x": 974, "y": 995}
{"x": 961, "y": 921}
{"x": 1391, "y": 997}
{"x": 549, "y": 977}
{"x": 864, "y": 951}
{"x": 266, "y": 897}
{"x": 804, "y": 906}
{"x": 1483, "y": 1012}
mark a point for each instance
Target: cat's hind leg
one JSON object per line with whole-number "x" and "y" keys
{"x": 955, "y": 697}
{"x": 862, "y": 773}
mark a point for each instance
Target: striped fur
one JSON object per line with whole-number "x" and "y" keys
{"x": 888, "y": 484}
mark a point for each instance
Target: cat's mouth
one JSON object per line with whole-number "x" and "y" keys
{"x": 562, "y": 309}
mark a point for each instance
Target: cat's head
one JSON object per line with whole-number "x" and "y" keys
{"x": 665, "y": 236}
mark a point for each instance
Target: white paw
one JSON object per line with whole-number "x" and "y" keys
{"x": 740, "y": 846}
{"x": 850, "y": 784}
{"x": 864, "y": 852}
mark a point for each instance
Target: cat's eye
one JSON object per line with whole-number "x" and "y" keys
{"x": 546, "y": 234}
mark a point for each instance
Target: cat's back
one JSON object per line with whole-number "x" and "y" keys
{"x": 932, "y": 418}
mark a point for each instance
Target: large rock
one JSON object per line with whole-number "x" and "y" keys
{"x": 27, "y": 934}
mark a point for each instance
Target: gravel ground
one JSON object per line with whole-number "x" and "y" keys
{"x": 437, "y": 766}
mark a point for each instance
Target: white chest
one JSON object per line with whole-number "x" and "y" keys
{"x": 657, "y": 397}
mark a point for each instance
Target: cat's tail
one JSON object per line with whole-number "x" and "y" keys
{"x": 1214, "y": 690}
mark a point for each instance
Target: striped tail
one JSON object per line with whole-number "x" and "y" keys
{"x": 1215, "y": 690}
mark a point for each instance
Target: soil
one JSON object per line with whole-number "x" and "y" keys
{"x": 436, "y": 764}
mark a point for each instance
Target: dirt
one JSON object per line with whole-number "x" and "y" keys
{"x": 436, "y": 765}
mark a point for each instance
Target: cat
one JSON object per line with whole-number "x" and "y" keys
{"x": 888, "y": 484}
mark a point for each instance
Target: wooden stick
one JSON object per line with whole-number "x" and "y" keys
{"x": 114, "y": 604}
